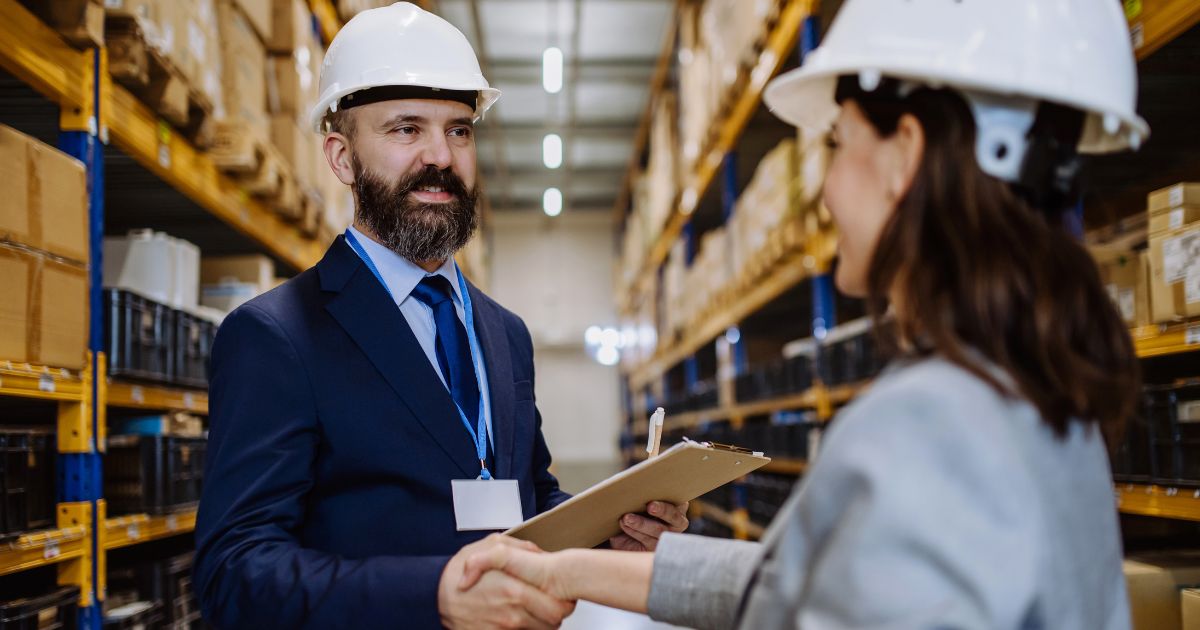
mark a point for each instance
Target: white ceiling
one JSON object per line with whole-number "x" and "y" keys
{"x": 608, "y": 65}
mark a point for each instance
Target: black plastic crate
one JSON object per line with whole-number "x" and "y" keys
{"x": 139, "y": 336}
{"x": 156, "y": 474}
{"x": 193, "y": 339}
{"x": 58, "y": 610}
{"x": 27, "y": 468}
{"x": 135, "y": 616}
{"x": 170, "y": 582}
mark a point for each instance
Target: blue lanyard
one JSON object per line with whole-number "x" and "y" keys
{"x": 478, "y": 436}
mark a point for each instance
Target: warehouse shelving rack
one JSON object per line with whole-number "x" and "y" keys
{"x": 1152, "y": 27}
{"x": 94, "y": 112}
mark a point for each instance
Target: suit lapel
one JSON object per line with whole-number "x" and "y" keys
{"x": 363, "y": 308}
{"x": 489, "y": 325}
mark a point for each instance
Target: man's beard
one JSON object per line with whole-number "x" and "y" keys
{"x": 420, "y": 232}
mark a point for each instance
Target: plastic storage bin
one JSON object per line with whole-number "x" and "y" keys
{"x": 57, "y": 610}
{"x": 139, "y": 336}
{"x": 193, "y": 346}
{"x": 135, "y": 616}
{"x": 156, "y": 474}
{"x": 27, "y": 467}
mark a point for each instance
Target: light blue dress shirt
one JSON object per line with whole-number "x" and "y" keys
{"x": 402, "y": 276}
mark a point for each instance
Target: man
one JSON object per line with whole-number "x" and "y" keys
{"x": 345, "y": 403}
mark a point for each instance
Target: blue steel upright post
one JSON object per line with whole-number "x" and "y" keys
{"x": 80, "y": 477}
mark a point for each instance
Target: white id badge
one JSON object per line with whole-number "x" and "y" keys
{"x": 492, "y": 504}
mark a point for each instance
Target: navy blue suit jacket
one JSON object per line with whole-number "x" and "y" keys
{"x": 332, "y": 444}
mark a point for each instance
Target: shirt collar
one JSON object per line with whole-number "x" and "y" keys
{"x": 400, "y": 274}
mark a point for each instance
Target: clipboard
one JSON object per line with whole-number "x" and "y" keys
{"x": 681, "y": 473}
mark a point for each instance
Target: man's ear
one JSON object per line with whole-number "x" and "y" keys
{"x": 337, "y": 155}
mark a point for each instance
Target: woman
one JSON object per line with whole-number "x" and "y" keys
{"x": 970, "y": 486}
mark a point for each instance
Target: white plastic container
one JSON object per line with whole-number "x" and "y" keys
{"x": 142, "y": 262}
{"x": 185, "y": 292}
{"x": 227, "y": 295}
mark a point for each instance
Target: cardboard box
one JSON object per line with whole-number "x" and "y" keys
{"x": 47, "y": 209}
{"x": 1190, "y": 608}
{"x": 1173, "y": 218}
{"x": 253, "y": 269}
{"x": 15, "y": 266}
{"x": 1173, "y": 255}
{"x": 1183, "y": 194}
{"x": 1126, "y": 279}
{"x": 44, "y": 316}
{"x": 244, "y": 71}
{"x": 60, "y": 325}
{"x": 1154, "y": 582}
{"x": 80, "y": 22}
{"x": 259, "y": 14}
{"x": 291, "y": 26}
{"x": 293, "y": 83}
{"x": 295, "y": 145}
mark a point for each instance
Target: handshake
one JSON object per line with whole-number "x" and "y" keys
{"x": 502, "y": 582}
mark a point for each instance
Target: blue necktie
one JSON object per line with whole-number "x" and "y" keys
{"x": 452, "y": 348}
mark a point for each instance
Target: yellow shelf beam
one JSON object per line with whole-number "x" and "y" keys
{"x": 821, "y": 398}
{"x": 738, "y": 520}
{"x": 38, "y": 56}
{"x": 780, "y": 42}
{"x": 39, "y": 549}
{"x": 794, "y": 467}
{"x": 327, "y": 18}
{"x": 1160, "y": 501}
{"x": 123, "y": 531}
{"x": 137, "y": 131}
{"x": 156, "y": 398}
{"x": 1154, "y": 23}
{"x": 38, "y": 381}
{"x": 1164, "y": 339}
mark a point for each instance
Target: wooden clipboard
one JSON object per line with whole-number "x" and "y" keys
{"x": 681, "y": 473}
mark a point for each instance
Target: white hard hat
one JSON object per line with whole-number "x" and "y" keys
{"x": 1004, "y": 56}
{"x": 399, "y": 45}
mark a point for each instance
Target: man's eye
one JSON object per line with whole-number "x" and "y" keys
{"x": 405, "y": 130}
{"x": 460, "y": 132}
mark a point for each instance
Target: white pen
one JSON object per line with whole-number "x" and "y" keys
{"x": 654, "y": 440}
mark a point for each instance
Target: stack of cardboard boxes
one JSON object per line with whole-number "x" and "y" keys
{"x": 1175, "y": 252}
{"x": 43, "y": 254}
{"x": 1161, "y": 284}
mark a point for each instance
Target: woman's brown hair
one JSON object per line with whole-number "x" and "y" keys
{"x": 966, "y": 265}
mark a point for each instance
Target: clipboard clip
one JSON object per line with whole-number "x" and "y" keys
{"x": 722, "y": 447}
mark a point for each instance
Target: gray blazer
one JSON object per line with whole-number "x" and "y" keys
{"x": 935, "y": 503}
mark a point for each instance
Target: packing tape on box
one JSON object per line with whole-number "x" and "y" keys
{"x": 33, "y": 338}
{"x": 34, "y": 192}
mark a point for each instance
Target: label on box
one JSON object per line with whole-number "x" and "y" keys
{"x": 138, "y": 395}
{"x": 133, "y": 533}
{"x": 1178, "y": 254}
{"x": 1192, "y": 336}
{"x": 51, "y": 551}
{"x": 1127, "y": 304}
{"x": 114, "y": 4}
{"x": 46, "y": 383}
{"x": 1176, "y": 196}
{"x": 172, "y": 523}
{"x": 1175, "y": 219}
{"x": 1191, "y": 284}
{"x": 1137, "y": 34}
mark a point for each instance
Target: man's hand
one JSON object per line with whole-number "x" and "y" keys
{"x": 642, "y": 533}
{"x": 497, "y": 600}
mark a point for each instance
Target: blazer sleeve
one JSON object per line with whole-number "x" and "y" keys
{"x": 698, "y": 581}
{"x": 250, "y": 568}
